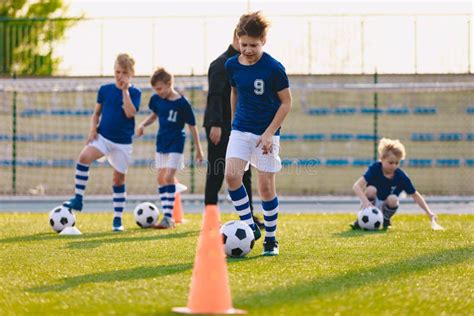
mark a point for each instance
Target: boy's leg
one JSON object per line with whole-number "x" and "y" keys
{"x": 119, "y": 200}
{"x": 234, "y": 171}
{"x": 266, "y": 189}
{"x": 87, "y": 156}
{"x": 167, "y": 197}
{"x": 389, "y": 208}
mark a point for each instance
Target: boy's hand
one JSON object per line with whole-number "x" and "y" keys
{"x": 267, "y": 143}
{"x": 92, "y": 136}
{"x": 366, "y": 204}
{"x": 139, "y": 131}
{"x": 199, "y": 156}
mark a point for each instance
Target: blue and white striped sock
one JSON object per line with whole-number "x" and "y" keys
{"x": 270, "y": 216}
{"x": 167, "y": 193}
{"x": 80, "y": 180}
{"x": 240, "y": 199}
{"x": 119, "y": 198}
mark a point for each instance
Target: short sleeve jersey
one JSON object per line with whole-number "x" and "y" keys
{"x": 257, "y": 87}
{"x": 172, "y": 116}
{"x": 385, "y": 186}
{"x": 114, "y": 124}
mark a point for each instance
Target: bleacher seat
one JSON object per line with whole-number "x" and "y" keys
{"x": 314, "y": 136}
{"x": 309, "y": 162}
{"x": 287, "y": 162}
{"x": 345, "y": 110}
{"x": 469, "y": 162}
{"x": 450, "y": 137}
{"x": 470, "y": 137}
{"x": 420, "y": 162}
{"x": 341, "y": 136}
{"x": 337, "y": 162}
{"x": 470, "y": 110}
{"x": 449, "y": 162}
{"x": 397, "y": 111}
{"x": 424, "y": 110}
{"x": 370, "y": 137}
{"x": 318, "y": 111}
{"x": 370, "y": 110}
{"x": 287, "y": 137}
{"x": 423, "y": 137}
{"x": 358, "y": 162}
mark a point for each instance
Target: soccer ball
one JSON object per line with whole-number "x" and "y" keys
{"x": 146, "y": 214}
{"x": 370, "y": 218}
{"x": 61, "y": 217}
{"x": 238, "y": 238}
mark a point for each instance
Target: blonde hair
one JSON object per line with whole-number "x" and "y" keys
{"x": 126, "y": 62}
{"x": 162, "y": 75}
{"x": 393, "y": 146}
{"x": 252, "y": 24}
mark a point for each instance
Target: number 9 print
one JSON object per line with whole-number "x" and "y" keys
{"x": 259, "y": 86}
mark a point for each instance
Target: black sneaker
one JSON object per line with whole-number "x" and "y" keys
{"x": 256, "y": 233}
{"x": 258, "y": 222}
{"x": 387, "y": 223}
{"x": 355, "y": 225}
{"x": 270, "y": 248}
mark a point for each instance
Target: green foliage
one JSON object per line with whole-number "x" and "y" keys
{"x": 28, "y": 33}
{"x": 323, "y": 268}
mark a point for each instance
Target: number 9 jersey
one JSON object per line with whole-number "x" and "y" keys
{"x": 172, "y": 116}
{"x": 257, "y": 87}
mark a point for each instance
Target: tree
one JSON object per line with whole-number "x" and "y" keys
{"x": 28, "y": 32}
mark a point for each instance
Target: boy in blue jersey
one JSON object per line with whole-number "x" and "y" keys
{"x": 383, "y": 182}
{"x": 173, "y": 112}
{"x": 110, "y": 135}
{"x": 260, "y": 101}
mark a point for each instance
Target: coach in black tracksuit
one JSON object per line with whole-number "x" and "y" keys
{"x": 217, "y": 122}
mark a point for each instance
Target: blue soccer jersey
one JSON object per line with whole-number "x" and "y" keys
{"x": 385, "y": 186}
{"x": 114, "y": 124}
{"x": 257, "y": 87}
{"x": 172, "y": 116}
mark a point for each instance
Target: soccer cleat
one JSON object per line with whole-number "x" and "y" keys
{"x": 117, "y": 225}
{"x": 256, "y": 232}
{"x": 387, "y": 223}
{"x": 74, "y": 204}
{"x": 166, "y": 223}
{"x": 258, "y": 222}
{"x": 355, "y": 225}
{"x": 270, "y": 248}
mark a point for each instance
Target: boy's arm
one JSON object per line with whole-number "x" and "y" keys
{"x": 128, "y": 106}
{"x": 418, "y": 198}
{"x": 358, "y": 189}
{"x": 267, "y": 137}
{"x": 194, "y": 133}
{"x": 94, "y": 123}
{"x": 141, "y": 127}
{"x": 233, "y": 102}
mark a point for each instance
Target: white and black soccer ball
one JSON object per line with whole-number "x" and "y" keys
{"x": 370, "y": 218}
{"x": 146, "y": 214}
{"x": 238, "y": 238}
{"x": 61, "y": 217}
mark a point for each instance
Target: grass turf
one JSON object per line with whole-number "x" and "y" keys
{"x": 323, "y": 268}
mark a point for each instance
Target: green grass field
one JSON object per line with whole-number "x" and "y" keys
{"x": 323, "y": 268}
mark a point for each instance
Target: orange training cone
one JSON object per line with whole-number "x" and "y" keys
{"x": 210, "y": 292}
{"x": 178, "y": 209}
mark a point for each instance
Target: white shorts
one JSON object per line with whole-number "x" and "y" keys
{"x": 380, "y": 203}
{"x": 169, "y": 160}
{"x": 242, "y": 145}
{"x": 118, "y": 155}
